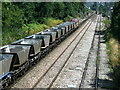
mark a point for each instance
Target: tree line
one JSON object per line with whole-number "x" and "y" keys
{"x": 115, "y": 21}
{"x": 112, "y": 36}
{"x": 115, "y": 33}
{"x": 20, "y": 17}
{"x": 15, "y": 14}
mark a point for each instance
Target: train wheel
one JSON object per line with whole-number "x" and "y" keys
{"x": 6, "y": 85}
{"x": 13, "y": 79}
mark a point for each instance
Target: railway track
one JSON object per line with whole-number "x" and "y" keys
{"x": 66, "y": 59}
{"x": 46, "y": 78}
{"x": 76, "y": 68}
{"x": 91, "y": 70}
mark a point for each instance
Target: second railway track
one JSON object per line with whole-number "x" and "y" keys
{"x": 90, "y": 75}
{"x": 46, "y": 72}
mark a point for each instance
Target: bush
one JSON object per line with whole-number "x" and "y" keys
{"x": 12, "y": 16}
{"x": 117, "y": 75}
{"x": 113, "y": 47}
{"x": 68, "y": 18}
{"x": 9, "y": 37}
{"x": 33, "y": 28}
{"x": 29, "y": 29}
{"x": 107, "y": 23}
{"x": 52, "y": 22}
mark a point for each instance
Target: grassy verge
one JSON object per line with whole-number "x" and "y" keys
{"x": 113, "y": 47}
{"x": 114, "y": 57}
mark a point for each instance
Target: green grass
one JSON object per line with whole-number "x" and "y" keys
{"x": 107, "y": 23}
{"x": 113, "y": 53}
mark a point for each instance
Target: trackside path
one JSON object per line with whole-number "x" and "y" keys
{"x": 105, "y": 80}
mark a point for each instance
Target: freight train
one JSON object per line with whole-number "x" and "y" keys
{"x": 17, "y": 57}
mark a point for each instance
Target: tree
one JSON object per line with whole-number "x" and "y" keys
{"x": 10, "y": 14}
{"x": 115, "y": 25}
{"x": 94, "y": 6}
{"x": 58, "y": 11}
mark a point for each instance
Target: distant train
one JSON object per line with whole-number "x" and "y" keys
{"x": 19, "y": 56}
